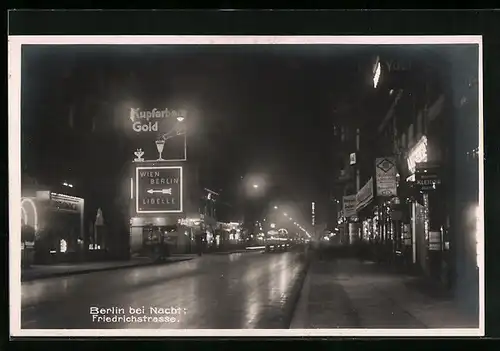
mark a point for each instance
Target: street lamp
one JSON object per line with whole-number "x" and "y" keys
{"x": 285, "y": 214}
{"x": 255, "y": 186}
{"x": 275, "y": 207}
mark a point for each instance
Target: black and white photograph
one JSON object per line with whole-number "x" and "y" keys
{"x": 246, "y": 186}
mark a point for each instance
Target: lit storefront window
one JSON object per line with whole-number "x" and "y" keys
{"x": 376, "y": 234}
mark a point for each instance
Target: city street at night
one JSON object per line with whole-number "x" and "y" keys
{"x": 237, "y": 291}
{"x": 260, "y": 185}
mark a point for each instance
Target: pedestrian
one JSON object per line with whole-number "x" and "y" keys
{"x": 199, "y": 244}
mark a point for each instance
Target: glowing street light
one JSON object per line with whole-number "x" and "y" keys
{"x": 285, "y": 214}
{"x": 255, "y": 186}
{"x": 68, "y": 185}
{"x": 275, "y": 207}
{"x": 376, "y": 74}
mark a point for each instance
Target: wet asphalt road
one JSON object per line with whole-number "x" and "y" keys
{"x": 237, "y": 291}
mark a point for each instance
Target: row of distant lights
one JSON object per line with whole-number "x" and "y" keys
{"x": 297, "y": 224}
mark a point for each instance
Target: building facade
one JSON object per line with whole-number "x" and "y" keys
{"x": 431, "y": 131}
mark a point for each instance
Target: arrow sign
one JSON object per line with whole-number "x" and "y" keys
{"x": 165, "y": 182}
{"x": 160, "y": 191}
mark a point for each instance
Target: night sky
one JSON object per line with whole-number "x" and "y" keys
{"x": 264, "y": 109}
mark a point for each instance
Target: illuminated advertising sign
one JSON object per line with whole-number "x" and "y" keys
{"x": 352, "y": 159}
{"x": 385, "y": 171}
{"x": 349, "y": 205}
{"x": 65, "y": 203}
{"x": 147, "y": 121}
{"x": 158, "y": 189}
{"x": 427, "y": 176}
{"x": 417, "y": 154}
{"x": 365, "y": 195}
{"x": 160, "y": 134}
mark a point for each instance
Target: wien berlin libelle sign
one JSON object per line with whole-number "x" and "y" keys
{"x": 159, "y": 189}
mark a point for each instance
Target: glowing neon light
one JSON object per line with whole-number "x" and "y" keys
{"x": 66, "y": 197}
{"x": 131, "y": 188}
{"x": 35, "y": 212}
{"x": 376, "y": 75}
{"x": 24, "y": 216}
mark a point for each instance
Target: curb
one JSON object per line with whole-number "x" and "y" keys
{"x": 94, "y": 270}
{"x": 296, "y": 293}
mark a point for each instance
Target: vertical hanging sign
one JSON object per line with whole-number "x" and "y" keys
{"x": 385, "y": 170}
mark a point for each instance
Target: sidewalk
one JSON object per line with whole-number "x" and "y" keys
{"x": 348, "y": 293}
{"x": 65, "y": 269}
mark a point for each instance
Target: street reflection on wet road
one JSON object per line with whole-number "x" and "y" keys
{"x": 249, "y": 290}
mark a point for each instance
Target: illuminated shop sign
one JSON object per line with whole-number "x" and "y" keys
{"x": 427, "y": 176}
{"x": 66, "y": 203}
{"x": 349, "y": 205}
{"x": 159, "y": 189}
{"x": 352, "y": 159}
{"x": 62, "y": 205}
{"x": 364, "y": 195}
{"x": 417, "y": 154}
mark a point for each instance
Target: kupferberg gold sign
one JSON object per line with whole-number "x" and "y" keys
{"x": 147, "y": 120}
